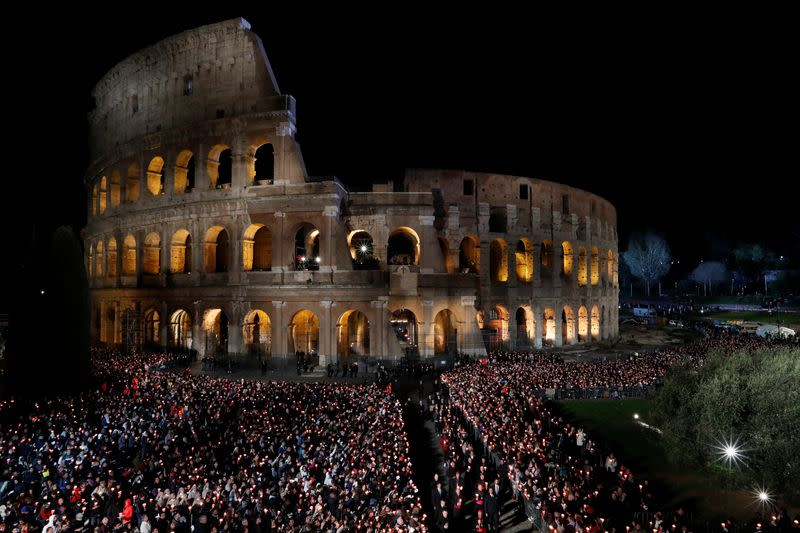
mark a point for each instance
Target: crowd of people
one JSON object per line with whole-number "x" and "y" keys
{"x": 157, "y": 449}
{"x": 500, "y": 436}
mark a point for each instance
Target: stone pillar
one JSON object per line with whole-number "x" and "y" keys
{"x": 427, "y": 261}
{"x": 327, "y": 333}
{"x": 117, "y": 323}
{"x": 331, "y": 213}
{"x": 558, "y": 341}
{"x": 198, "y": 266}
{"x": 283, "y": 140}
{"x": 202, "y": 181}
{"x": 279, "y": 330}
{"x": 377, "y": 329}
{"x": 239, "y": 155}
{"x": 168, "y": 173}
{"x": 235, "y": 329}
{"x": 512, "y": 327}
{"x": 278, "y": 256}
{"x": 166, "y": 249}
{"x": 236, "y": 236}
{"x": 426, "y": 329}
{"x": 197, "y": 328}
{"x": 163, "y": 325}
{"x": 471, "y": 342}
{"x": 538, "y": 326}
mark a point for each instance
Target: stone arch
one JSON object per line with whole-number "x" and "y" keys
{"x": 257, "y": 248}
{"x": 567, "y": 325}
{"x": 523, "y": 257}
{"x": 583, "y": 323}
{"x": 583, "y": 272}
{"x": 526, "y": 326}
{"x": 115, "y": 188}
{"x": 261, "y": 163}
{"x": 405, "y": 326}
{"x": 362, "y": 250}
{"x": 257, "y": 333}
{"x": 155, "y": 176}
{"x": 216, "y": 249}
{"x": 151, "y": 260}
{"x": 306, "y": 247}
{"x": 180, "y": 329}
{"x": 403, "y": 247}
{"x": 445, "y": 333}
{"x": 99, "y": 268}
{"x": 180, "y": 261}
{"x": 215, "y": 326}
{"x": 184, "y": 171}
{"x": 352, "y": 334}
{"x": 567, "y": 263}
{"x": 132, "y": 181}
{"x": 304, "y": 332}
{"x": 129, "y": 256}
{"x": 152, "y": 327}
{"x": 112, "y": 257}
{"x": 469, "y": 255}
{"x": 219, "y": 165}
{"x": 498, "y": 261}
{"x": 449, "y": 263}
{"x": 546, "y": 259}
{"x": 549, "y": 326}
{"x": 497, "y": 324}
{"x": 594, "y": 270}
{"x": 595, "y": 323}
{"x": 101, "y": 199}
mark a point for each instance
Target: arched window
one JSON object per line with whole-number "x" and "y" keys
{"x": 547, "y": 259}
{"x": 304, "y": 332}
{"x": 445, "y": 333}
{"x": 403, "y": 247}
{"x": 216, "y": 249}
{"x": 447, "y": 260}
{"x": 95, "y": 197}
{"x": 257, "y": 248}
{"x": 352, "y": 334}
{"x": 180, "y": 329}
{"x": 523, "y": 258}
{"x": 112, "y": 257}
{"x": 498, "y": 255}
{"x": 257, "y": 333}
{"x": 583, "y": 277}
{"x": 498, "y": 327}
{"x": 101, "y": 200}
{"x": 362, "y": 250}
{"x": 595, "y": 266}
{"x": 155, "y": 176}
{"x": 100, "y": 260}
{"x": 583, "y": 323}
{"x": 184, "y": 172}
{"x": 181, "y": 252}
{"x": 152, "y": 254}
{"x": 264, "y": 164}
{"x": 219, "y": 166}
{"x": 306, "y": 248}
{"x": 469, "y": 255}
{"x": 129, "y": 256}
{"x": 566, "y": 248}
{"x": 215, "y": 326}
{"x": 152, "y": 327}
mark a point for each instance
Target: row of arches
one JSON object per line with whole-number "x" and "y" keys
{"x": 494, "y": 325}
{"x": 403, "y": 248}
{"x": 107, "y": 191}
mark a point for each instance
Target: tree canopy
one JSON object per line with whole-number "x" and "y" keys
{"x": 752, "y": 397}
{"x": 647, "y": 257}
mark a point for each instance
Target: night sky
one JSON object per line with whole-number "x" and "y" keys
{"x": 684, "y": 124}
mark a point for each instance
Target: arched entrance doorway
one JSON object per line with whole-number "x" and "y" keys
{"x": 445, "y": 333}
{"x": 525, "y": 327}
{"x": 257, "y": 333}
{"x": 567, "y": 325}
{"x": 548, "y": 327}
{"x": 180, "y": 330}
{"x": 152, "y": 325}
{"x": 498, "y": 328}
{"x": 352, "y": 335}
{"x": 404, "y": 325}
{"x": 304, "y": 332}
{"x": 215, "y": 324}
{"x": 403, "y": 247}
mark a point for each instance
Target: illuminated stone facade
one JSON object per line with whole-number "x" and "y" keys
{"x": 205, "y": 231}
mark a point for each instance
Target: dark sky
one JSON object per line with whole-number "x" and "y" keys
{"x": 684, "y": 123}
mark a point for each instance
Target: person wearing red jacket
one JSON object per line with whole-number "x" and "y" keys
{"x": 127, "y": 512}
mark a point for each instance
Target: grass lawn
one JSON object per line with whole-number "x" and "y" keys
{"x": 611, "y": 422}
{"x": 758, "y": 316}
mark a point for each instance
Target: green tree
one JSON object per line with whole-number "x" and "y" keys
{"x": 753, "y": 259}
{"x": 749, "y": 396}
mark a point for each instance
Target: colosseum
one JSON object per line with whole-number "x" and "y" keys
{"x": 206, "y": 232}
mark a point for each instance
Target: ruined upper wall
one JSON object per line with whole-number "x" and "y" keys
{"x": 499, "y": 190}
{"x": 214, "y": 71}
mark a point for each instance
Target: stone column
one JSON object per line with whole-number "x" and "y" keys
{"x": 279, "y": 330}
{"x": 197, "y": 328}
{"x": 239, "y": 178}
{"x": 278, "y": 256}
{"x": 472, "y": 342}
{"x": 327, "y": 333}
{"x": 331, "y": 213}
{"x": 163, "y": 325}
{"x": 168, "y": 173}
{"x": 558, "y": 341}
{"x": 202, "y": 181}
{"x": 377, "y": 329}
{"x": 427, "y": 262}
{"x": 235, "y": 329}
{"x": 538, "y": 326}
{"x": 426, "y": 329}
{"x": 117, "y": 323}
